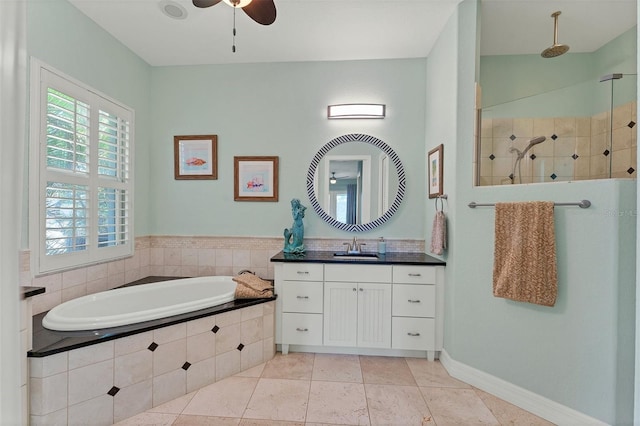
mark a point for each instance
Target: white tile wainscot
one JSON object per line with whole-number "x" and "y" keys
{"x": 110, "y": 381}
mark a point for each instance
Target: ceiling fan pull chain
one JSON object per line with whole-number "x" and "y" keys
{"x": 233, "y": 47}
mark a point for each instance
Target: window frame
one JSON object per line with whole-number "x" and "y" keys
{"x": 42, "y": 78}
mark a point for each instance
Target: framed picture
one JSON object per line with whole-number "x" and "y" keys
{"x": 195, "y": 157}
{"x": 434, "y": 172}
{"x": 255, "y": 178}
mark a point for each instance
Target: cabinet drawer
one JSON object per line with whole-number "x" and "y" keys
{"x": 358, "y": 273}
{"x": 302, "y": 296}
{"x": 303, "y": 271}
{"x": 302, "y": 329}
{"x": 413, "y": 333}
{"x": 414, "y": 274}
{"x": 414, "y": 300}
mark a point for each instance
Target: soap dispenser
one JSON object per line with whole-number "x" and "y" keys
{"x": 382, "y": 246}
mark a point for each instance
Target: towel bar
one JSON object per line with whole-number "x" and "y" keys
{"x": 583, "y": 204}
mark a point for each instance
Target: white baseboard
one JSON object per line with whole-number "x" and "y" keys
{"x": 527, "y": 400}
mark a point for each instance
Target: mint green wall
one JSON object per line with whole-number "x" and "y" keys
{"x": 574, "y": 353}
{"x": 278, "y": 110}
{"x": 63, "y": 37}
{"x": 568, "y": 85}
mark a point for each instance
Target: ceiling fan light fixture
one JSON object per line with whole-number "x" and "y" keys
{"x": 237, "y": 3}
{"x": 341, "y": 111}
{"x": 332, "y": 179}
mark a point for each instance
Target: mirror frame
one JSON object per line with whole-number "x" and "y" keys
{"x": 313, "y": 168}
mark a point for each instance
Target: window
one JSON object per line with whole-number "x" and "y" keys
{"x": 82, "y": 188}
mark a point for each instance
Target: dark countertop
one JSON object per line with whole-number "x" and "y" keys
{"x": 48, "y": 342}
{"x": 392, "y": 258}
{"x": 30, "y": 291}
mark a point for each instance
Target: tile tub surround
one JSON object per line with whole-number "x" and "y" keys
{"x": 116, "y": 379}
{"x": 180, "y": 256}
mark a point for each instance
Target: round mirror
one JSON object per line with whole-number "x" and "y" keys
{"x": 356, "y": 182}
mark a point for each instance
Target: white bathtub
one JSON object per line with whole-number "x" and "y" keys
{"x": 129, "y": 305}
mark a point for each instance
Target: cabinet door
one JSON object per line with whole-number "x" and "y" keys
{"x": 340, "y": 313}
{"x": 374, "y": 315}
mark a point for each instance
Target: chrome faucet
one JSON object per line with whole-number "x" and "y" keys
{"x": 354, "y": 247}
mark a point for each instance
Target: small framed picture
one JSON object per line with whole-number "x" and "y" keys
{"x": 255, "y": 178}
{"x": 195, "y": 157}
{"x": 434, "y": 172}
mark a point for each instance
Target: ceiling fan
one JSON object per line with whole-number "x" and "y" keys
{"x": 261, "y": 11}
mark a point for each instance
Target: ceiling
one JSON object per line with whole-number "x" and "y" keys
{"x": 333, "y": 30}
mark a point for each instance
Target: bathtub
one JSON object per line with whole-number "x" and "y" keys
{"x": 145, "y": 302}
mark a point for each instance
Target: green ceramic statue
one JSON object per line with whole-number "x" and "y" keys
{"x": 293, "y": 237}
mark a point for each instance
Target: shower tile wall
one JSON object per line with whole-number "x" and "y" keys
{"x": 577, "y": 148}
{"x": 179, "y": 256}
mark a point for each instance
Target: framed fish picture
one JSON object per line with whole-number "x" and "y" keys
{"x": 195, "y": 157}
{"x": 255, "y": 178}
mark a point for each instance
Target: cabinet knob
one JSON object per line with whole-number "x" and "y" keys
{"x": 302, "y": 329}
{"x": 361, "y": 289}
{"x": 413, "y": 334}
{"x": 415, "y": 275}
{"x": 302, "y": 297}
{"x": 354, "y": 289}
{"x": 413, "y": 301}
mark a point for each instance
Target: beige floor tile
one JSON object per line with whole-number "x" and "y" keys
{"x": 455, "y": 407}
{"x": 149, "y": 419}
{"x": 291, "y": 366}
{"x": 189, "y": 420}
{"x": 252, "y": 372}
{"x": 279, "y": 399}
{"x": 338, "y": 403}
{"x": 258, "y": 422}
{"x": 226, "y": 398}
{"x": 509, "y": 414}
{"x": 397, "y": 405}
{"x": 432, "y": 373}
{"x": 337, "y": 368}
{"x": 174, "y": 406}
{"x": 386, "y": 371}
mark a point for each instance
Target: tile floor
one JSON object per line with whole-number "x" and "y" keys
{"x": 323, "y": 389}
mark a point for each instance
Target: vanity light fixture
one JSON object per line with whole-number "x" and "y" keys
{"x": 356, "y": 111}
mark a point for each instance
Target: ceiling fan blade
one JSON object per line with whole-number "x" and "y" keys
{"x": 205, "y": 3}
{"x": 261, "y": 11}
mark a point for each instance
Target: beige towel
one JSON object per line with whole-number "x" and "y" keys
{"x": 439, "y": 233}
{"x": 250, "y": 286}
{"x": 524, "y": 265}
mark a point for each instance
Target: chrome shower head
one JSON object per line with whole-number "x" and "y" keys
{"x": 537, "y": 140}
{"x": 557, "y": 49}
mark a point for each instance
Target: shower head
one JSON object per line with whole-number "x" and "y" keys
{"x": 537, "y": 140}
{"x": 557, "y": 49}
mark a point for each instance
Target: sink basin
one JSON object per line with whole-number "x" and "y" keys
{"x": 345, "y": 255}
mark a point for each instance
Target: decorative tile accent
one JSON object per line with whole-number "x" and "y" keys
{"x": 153, "y": 346}
{"x": 554, "y": 136}
{"x": 606, "y": 152}
{"x": 511, "y": 176}
{"x": 240, "y": 347}
{"x": 492, "y": 157}
{"x": 512, "y": 137}
{"x": 553, "y": 176}
{"x": 215, "y": 329}
{"x": 575, "y": 156}
{"x": 533, "y": 156}
{"x": 186, "y": 366}
{"x": 630, "y": 170}
{"x": 631, "y": 124}
{"x": 113, "y": 391}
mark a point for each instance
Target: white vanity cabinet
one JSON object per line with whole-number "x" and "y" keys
{"x": 300, "y": 309}
{"x": 357, "y": 306}
{"x": 373, "y": 309}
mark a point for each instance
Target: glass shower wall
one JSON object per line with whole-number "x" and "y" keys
{"x": 599, "y": 141}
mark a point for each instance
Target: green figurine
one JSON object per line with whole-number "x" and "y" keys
{"x": 293, "y": 237}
